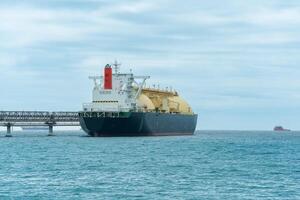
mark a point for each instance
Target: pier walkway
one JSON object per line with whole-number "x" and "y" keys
{"x": 9, "y": 119}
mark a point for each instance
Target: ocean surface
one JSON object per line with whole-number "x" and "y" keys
{"x": 210, "y": 165}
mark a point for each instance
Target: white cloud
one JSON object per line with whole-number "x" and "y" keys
{"x": 10, "y": 67}
{"x": 137, "y": 7}
{"x": 275, "y": 17}
{"x": 26, "y": 26}
{"x": 6, "y": 62}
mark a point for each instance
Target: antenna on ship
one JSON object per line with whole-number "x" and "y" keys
{"x": 116, "y": 66}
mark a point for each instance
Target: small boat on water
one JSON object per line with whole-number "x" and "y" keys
{"x": 280, "y": 128}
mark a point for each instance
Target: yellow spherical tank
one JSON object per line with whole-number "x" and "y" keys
{"x": 145, "y": 102}
{"x": 178, "y": 104}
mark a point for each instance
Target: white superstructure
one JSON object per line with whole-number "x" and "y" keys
{"x": 115, "y": 92}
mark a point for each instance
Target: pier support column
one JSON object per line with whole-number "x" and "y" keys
{"x": 50, "y": 130}
{"x": 8, "y": 132}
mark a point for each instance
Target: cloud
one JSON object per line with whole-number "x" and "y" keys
{"x": 9, "y": 68}
{"x": 137, "y": 7}
{"x": 231, "y": 57}
{"x": 275, "y": 17}
{"x": 32, "y": 26}
{"x": 6, "y": 62}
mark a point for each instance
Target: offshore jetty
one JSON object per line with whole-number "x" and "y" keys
{"x": 37, "y": 119}
{"x": 121, "y": 106}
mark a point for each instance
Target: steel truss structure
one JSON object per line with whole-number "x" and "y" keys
{"x": 38, "y": 118}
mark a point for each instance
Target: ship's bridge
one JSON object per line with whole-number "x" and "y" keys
{"x": 115, "y": 92}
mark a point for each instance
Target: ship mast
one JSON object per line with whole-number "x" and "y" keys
{"x": 116, "y": 66}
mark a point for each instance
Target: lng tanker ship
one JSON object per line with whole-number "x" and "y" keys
{"x": 123, "y": 106}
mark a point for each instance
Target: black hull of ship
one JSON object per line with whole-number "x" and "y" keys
{"x": 137, "y": 124}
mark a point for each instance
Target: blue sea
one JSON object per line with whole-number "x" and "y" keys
{"x": 209, "y": 165}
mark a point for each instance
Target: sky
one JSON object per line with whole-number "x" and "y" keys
{"x": 236, "y": 62}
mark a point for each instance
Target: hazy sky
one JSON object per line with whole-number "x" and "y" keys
{"x": 236, "y": 62}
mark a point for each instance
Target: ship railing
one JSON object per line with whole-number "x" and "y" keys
{"x": 90, "y": 114}
{"x": 37, "y": 116}
{"x": 100, "y": 107}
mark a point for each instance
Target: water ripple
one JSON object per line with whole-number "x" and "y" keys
{"x": 209, "y": 165}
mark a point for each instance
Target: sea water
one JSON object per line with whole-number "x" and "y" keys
{"x": 209, "y": 165}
